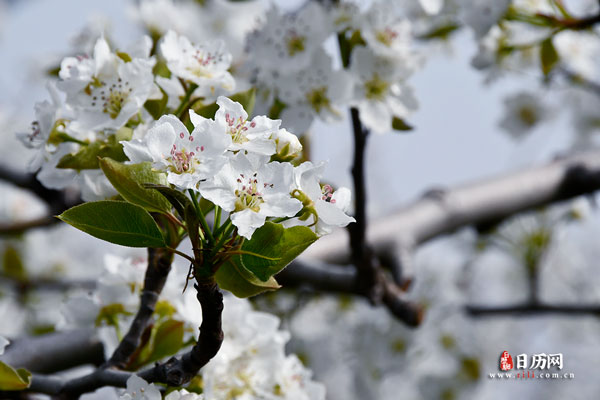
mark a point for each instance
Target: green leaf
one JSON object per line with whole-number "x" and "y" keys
{"x": 166, "y": 340}
{"x": 440, "y": 32}
{"x": 116, "y": 222}
{"x": 87, "y": 156}
{"x": 14, "y": 379}
{"x": 128, "y": 179}
{"x": 399, "y": 124}
{"x": 246, "y": 99}
{"x": 12, "y": 264}
{"x": 234, "y": 277}
{"x": 157, "y": 107}
{"x": 548, "y": 55}
{"x": 276, "y": 247}
{"x": 124, "y": 56}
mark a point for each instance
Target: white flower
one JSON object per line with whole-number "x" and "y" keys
{"x": 379, "y": 91}
{"x": 252, "y": 190}
{"x": 105, "y": 91}
{"x": 139, "y": 389}
{"x": 385, "y": 33}
{"x": 286, "y": 42}
{"x": 329, "y": 206}
{"x": 579, "y": 52}
{"x": 252, "y": 136}
{"x": 3, "y": 343}
{"x": 183, "y": 395}
{"x": 288, "y": 144}
{"x": 205, "y": 65}
{"x": 432, "y": 7}
{"x": 481, "y": 15}
{"x": 523, "y": 111}
{"x": 186, "y": 157}
{"x": 317, "y": 90}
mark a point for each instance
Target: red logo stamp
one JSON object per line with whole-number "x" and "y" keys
{"x": 506, "y": 361}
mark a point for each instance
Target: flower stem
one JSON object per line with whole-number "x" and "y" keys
{"x": 200, "y": 215}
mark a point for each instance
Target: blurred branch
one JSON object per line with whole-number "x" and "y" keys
{"x": 55, "y": 351}
{"x": 57, "y": 201}
{"x": 534, "y": 308}
{"x": 159, "y": 266}
{"x": 482, "y": 204}
{"x": 344, "y": 279}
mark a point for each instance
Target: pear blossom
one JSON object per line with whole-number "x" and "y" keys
{"x": 379, "y": 90}
{"x": 288, "y": 144}
{"x": 251, "y": 136}
{"x": 252, "y": 190}
{"x": 324, "y": 207}
{"x": 317, "y": 90}
{"x": 105, "y": 91}
{"x": 183, "y": 395}
{"x": 481, "y": 15}
{"x": 432, "y": 7}
{"x": 186, "y": 157}
{"x": 205, "y": 65}
{"x": 139, "y": 389}
{"x": 523, "y": 112}
{"x": 287, "y": 41}
{"x": 385, "y": 32}
{"x": 579, "y": 52}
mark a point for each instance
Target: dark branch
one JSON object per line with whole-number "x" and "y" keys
{"x": 159, "y": 266}
{"x": 55, "y": 351}
{"x": 534, "y": 308}
{"x": 343, "y": 279}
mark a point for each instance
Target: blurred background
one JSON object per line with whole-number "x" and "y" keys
{"x": 358, "y": 351}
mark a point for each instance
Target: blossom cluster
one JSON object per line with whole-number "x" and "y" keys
{"x": 240, "y": 164}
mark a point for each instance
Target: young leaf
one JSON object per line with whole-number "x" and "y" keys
{"x": 87, "y": 156}
{"x": 117, "y": 222}
{"x": 548, "y": 55}
{"x": 14, "y": 379}
{"x": 399, "y": 124}
{"x": 234, "y": 277}
{"x": 276, "y": 247}
{"x": 167, "y": 339}
{"x": 129, "y": 180}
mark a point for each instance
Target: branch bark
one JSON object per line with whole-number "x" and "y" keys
{"x": 159, "y": 266}
{"x": 481, "y": 204}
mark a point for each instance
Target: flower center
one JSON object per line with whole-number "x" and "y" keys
{"x": 327, "y": 192}
{"x": 318, "y": 100}
{"x": 528, "y": 116}
{"x": 237, "y": 128}
{"x": 248, "y": 194}
{"x": 295, "y": 44}
{"x": 182, "y": 160}
{"x": 111, "y": 98}
{"x": 376, "y": 88}
{"x": 386, "y": 36}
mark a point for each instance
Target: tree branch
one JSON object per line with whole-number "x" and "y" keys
{"x": 159, "y": 266}
{"x": 55, "y": 351}
{"x": 481, "y": 204}
{"x": 534, "y": 308}
{"x": 344, "y": 279}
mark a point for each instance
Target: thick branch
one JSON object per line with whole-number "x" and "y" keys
{"x": 480, "y": 204}
{"x": 159, "y": 266}
{"x": 534, "y": 308}
{"x": 55, "y": 351}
